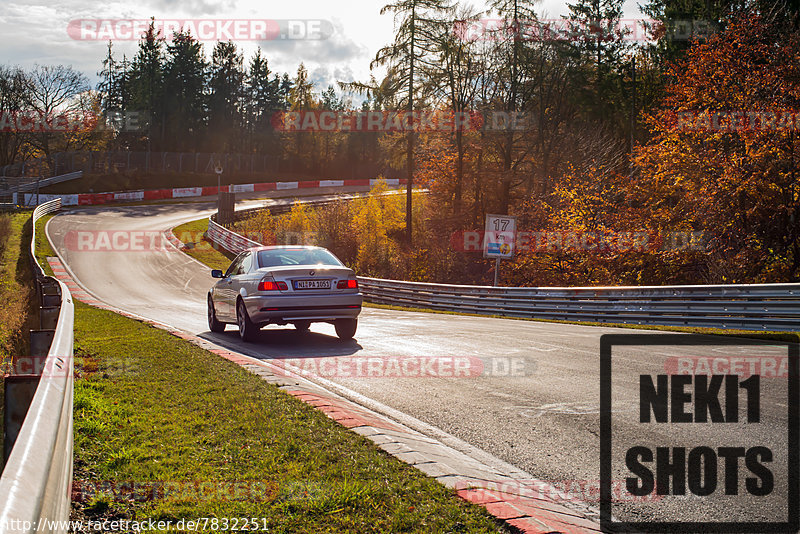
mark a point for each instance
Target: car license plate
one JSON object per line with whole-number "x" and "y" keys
{"x": 312, "y": 284}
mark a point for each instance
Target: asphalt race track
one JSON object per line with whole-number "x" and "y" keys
{"x": 535, "y": 403}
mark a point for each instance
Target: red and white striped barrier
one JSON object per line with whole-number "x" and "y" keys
{"x": 93, "y": 199}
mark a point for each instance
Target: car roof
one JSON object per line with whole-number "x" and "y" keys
{"x": 284, "y": 247}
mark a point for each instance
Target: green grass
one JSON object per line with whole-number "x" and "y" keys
{"x": 43, "y": 248}
{"x": 152, "y": 408}
{"x": 200, "y": 248}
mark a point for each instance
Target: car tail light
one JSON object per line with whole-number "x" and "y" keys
{"x": 347, "y": 284}
{"x": 270, "y": 285}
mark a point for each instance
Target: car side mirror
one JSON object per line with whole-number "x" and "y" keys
{"x": 216, "y": 273}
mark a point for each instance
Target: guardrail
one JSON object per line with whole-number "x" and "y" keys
{"x": 40, "y": 211}
{"x": 743, "y": 306}
{"x": 227, "y": 239}
{"x": 747, "y": 307}
{"x": 35, "y": 485}
{"x": 22, "y": 185}
{"x": 32, "y": 185}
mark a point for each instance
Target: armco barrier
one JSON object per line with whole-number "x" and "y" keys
{"x": 743, "y": 306}
{"x": 32, "y": 185}
{"x": 228, "y": 240}
{"x": 36, "y": 481}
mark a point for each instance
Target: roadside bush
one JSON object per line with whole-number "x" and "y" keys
{"x": 375, "y": 219}
{"x": 260, "y": 228}
{"x": 334, "y": 230}
{"x": 368, "y": 235}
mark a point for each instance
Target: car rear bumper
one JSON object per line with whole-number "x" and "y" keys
{"x": 286, "y": 308}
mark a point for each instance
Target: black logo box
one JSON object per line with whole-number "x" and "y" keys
{"x": 607, "y": 342}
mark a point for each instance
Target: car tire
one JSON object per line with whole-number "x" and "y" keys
{"x": 345, "y": 328}
{"x": 213, "y": 324}
{"x": 247, "y": 330}
{"x": 302, "y": 326}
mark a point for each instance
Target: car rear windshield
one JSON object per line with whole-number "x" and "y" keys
{"x": 296, "y": 256}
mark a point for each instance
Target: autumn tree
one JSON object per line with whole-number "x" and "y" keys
{"x": 453, "y": 84}
{"x": 412, "y": 47}
{"x": 723, "y": 155}
{"x": 61, "y": 90}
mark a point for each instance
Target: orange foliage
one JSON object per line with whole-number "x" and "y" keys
{"x": 738, "y": 185}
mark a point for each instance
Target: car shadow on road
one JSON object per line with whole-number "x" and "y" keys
{"x": 282, "y": 343}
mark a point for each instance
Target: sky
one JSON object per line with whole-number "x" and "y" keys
{"x": 49, "y": 32}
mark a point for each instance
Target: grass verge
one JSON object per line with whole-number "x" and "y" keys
{"x": 200, "y": 248}
{"x": 16, "y": 293}
{"x": 216, "y": 259}
{"x": 157, "y": 414}
{"x": 43, "y": 248}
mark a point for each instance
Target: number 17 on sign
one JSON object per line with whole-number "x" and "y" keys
{"x": 499, "y": 239}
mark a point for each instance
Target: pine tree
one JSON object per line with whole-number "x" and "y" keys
{"x": 263, "y": 99}
{"x": 146, "y": 84}
{"x": 185, "y": 80}
{"x": 601, "y": 49}
{"x": 110, "y": 85}
{"x": 226, "y": 118}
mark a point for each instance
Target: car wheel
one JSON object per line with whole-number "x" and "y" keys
{"x": 302, "y": 326}
{"x": 345, "y": 328}
{"x": 247, "y": 330}
{"x": 213, "y": 324}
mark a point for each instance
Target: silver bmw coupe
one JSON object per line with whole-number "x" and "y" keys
{"x": 284, "y": 285}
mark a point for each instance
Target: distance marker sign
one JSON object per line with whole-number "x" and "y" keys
{"x": 500, "y": 236}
